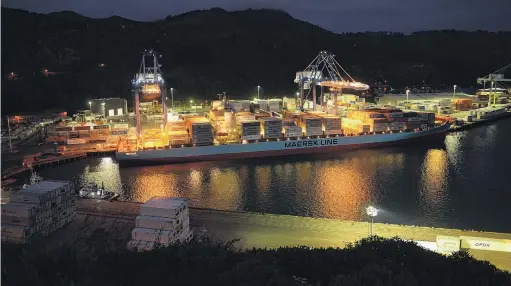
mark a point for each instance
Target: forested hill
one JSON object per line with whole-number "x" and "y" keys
{"x": 207, "y": 52}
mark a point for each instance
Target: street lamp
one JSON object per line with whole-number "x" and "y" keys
{"x": 258, "y": 88}
{"x": 407, "y": 92}
{"x": 372, "y": 212}
{"x": 104, "y": 110}
{"x": 172, "y": 96}
{"x": 90, "y": 106}
{"x": 454, "y": 93}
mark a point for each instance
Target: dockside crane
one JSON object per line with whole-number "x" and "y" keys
{"x": 496, "y": 79}
{"x": 325, "y": 71}
{"x": 149, "y": 85}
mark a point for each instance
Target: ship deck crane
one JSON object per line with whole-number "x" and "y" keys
{"x": 325, "y": 71}
{"x": 495, "y": 78}
{"x": 149, "y": 82}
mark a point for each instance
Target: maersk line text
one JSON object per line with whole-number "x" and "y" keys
{"x": 311, "y": 143}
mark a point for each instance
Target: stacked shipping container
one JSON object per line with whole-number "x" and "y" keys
{"x": 38, "y": 210}
{"x": 162, "y": 221}
{"x": 354, "y": 126}
{"x": 200, "y": 130}
{"x": 271, "y": 127}
{"x": 177, "y": 133}
{"x": 311, "y": 126}
{"x": 249, "y": 129}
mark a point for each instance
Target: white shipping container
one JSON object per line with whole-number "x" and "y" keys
{"x": 292, "y": 131}
{"x": 333, "y": 131}
{"x": 12, "y": 220}
{"x": 161, "y": 223}
{"x": 164, "y": 207}
{"x": 250, "y": 137}
{"x": 15, "y": 230}
{"x": 21, "y": 210}
{"x": 313, "y": 131}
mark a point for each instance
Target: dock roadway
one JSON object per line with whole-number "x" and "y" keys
{"x": 272, "y": 231}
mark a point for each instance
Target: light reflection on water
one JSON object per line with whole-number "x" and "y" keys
{"x": 457, "y": 182}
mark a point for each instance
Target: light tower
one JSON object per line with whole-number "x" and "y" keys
{"x": 149, "y": 85}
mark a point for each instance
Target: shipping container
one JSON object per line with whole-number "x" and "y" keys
{"x": 164, "y": 207}
{"x": 82, "y": 128}
{"x": 63, "y": 128}
{"x": 76, "y": 141}
{"x": 292, "y": 131}
{"x": 119, "y": 131}
{"x": 104, "y": 126}
{"x": 120, "y": 126}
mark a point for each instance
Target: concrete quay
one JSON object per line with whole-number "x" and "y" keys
{"x": 263, "y": 230}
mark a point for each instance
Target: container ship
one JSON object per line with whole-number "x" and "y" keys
{"x": 241, "y": 129}
{"x": 196, "y": 138}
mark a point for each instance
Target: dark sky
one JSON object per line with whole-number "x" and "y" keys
{"x": 334, "y": 15}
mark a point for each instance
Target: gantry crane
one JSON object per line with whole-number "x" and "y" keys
{"x": 149, "y": 85}
{"x": 325, "y": 71}
{"x": 496, "y": 79}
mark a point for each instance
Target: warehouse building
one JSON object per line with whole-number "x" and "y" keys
{"x": 109, "y": 108}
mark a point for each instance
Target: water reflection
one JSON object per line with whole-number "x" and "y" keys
{"x": 439, "y": 183}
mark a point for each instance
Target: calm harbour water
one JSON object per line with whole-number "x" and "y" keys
{"x": 459, "y": 182}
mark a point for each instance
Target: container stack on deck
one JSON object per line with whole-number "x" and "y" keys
{"x": 177, "y": 133}
{"x": 162, "y": 221}
{"x": 381, "y": 120}
{"x": 249, "y": 129}
{"x": 244, "y": 116}
{"x": 274, "y": 105}
{"x": 153, "y": 138}
{"x": 38, "y": 210}
{"x": 354, "y": 126}
{"x": 200, "y": 130}
{"x": 311, "y": 126}
{"x": 331, "y": 124}
{"x": 271, "y": 127}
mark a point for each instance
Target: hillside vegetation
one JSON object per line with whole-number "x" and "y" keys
{"x": 374, "y": 261}
{"x": 208, "y": 52}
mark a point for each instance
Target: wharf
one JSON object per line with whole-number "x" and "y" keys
{"x": 66, "y": 157}
{"x": 265, "y": 230}
{"x": 50, "y": 161}
{"x": 476, "y": 123}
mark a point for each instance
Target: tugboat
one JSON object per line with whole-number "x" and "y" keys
{"x": 93, "y": 191}
{"x": 34, "y": 179}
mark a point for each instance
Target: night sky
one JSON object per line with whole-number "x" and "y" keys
{"x": 335, "y": 15}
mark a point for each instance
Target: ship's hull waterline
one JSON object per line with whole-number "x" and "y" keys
{"x": 272, "y": 149}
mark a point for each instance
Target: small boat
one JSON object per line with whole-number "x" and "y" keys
{"x": 34, "y": 179}
{"x": 93, "y": 191}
